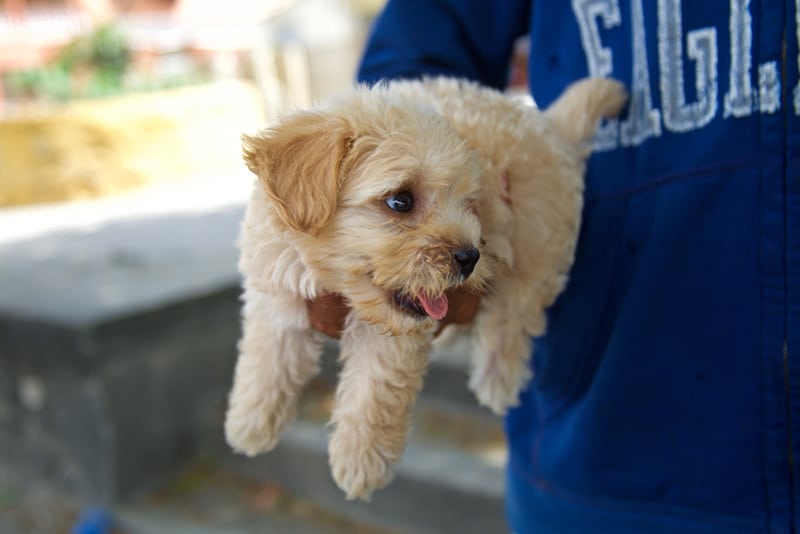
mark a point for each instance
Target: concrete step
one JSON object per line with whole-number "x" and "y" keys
{"x": 118, "y": 321}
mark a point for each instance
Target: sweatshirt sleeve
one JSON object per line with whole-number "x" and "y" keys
{"x": 466, "y": 38}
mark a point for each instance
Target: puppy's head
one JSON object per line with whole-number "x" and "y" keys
{"x": 379, "y": 197}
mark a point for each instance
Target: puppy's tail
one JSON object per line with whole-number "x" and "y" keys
{"x": 577, "y": 112}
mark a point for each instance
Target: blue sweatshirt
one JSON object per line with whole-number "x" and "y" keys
{"x": 666, "y": 395}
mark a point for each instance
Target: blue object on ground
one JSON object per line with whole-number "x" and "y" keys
{"x": 94, "y": 521}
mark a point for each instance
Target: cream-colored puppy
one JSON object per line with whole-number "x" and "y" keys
{"x": 390, "y": 196}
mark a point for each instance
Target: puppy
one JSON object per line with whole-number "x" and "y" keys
{"x": 390, "y": 196}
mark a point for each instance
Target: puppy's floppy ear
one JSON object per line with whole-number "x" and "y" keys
{"x": 299, "y": 165}
{"x": 577, "y": 112}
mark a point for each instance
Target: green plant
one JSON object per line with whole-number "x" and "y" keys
{"x": 93, "y": 65}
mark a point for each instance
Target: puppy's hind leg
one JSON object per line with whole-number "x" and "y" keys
{"x": 377, "y": 388}
{"x": 278, "y": 354}
{"x": 502, "y": 348}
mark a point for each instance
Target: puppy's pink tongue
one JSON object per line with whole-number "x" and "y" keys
{"x": 436, "y": 307}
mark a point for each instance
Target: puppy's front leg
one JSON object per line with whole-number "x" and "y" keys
{"x": 278, "y": 354}
{"x": 377, "y": 388}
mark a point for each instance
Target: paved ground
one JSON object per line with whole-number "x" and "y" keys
{"x": 203, "y": 500}
{"x": 206, "y": 499}
{"x": 32, "y": 505}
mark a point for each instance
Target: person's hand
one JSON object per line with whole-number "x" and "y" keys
{"x": 327, "y": 313}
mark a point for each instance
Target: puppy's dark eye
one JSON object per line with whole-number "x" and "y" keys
{"x": 402, "y": 202}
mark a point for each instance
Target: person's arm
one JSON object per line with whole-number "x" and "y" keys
{"x": 471, "y": 39}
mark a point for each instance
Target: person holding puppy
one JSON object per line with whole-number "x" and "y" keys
{"x": 666, "y": 392}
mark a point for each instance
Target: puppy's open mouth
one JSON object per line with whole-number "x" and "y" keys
{"x": 422, "y": 306}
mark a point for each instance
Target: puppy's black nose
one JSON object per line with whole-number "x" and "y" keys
{"x": 466, "y": 258}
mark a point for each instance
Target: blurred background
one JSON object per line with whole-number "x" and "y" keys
{"x": 121, "y": 191}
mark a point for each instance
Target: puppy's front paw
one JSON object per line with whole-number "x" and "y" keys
{"x": 498, "y": 381}
{"x": 253, "y": 429}
{"x": 360, "y": 460}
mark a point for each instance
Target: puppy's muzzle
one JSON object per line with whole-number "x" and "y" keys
{"x": 465, "y": 260}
